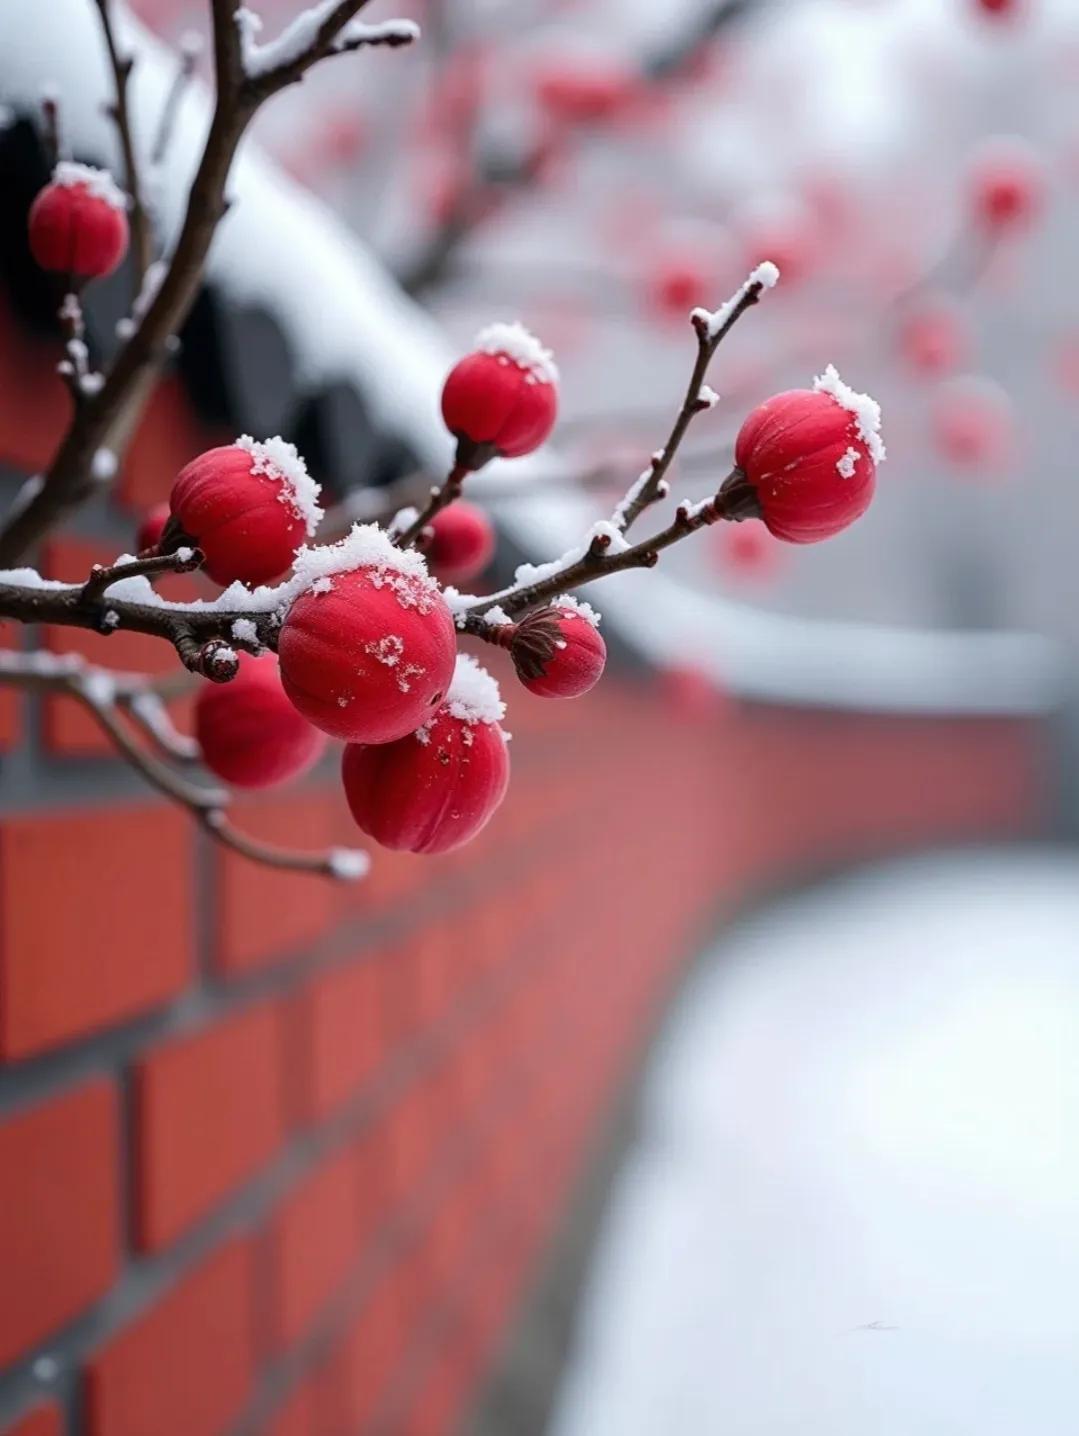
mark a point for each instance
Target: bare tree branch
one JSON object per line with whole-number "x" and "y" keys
{"x": 142, "y": 243}
{"x": 103, "y": 694}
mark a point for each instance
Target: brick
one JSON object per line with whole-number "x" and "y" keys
{"x": 120, "y": 941}
{"x": 265, "y": 914}
{"x": 68, "y": 728}
{"x": 59, "y": 1212}
{"x": 345, "y": 1015}
{"x": 184, "y": 1367}
{"x": 208, "y": 1114}
{"x": 315, "y": 1242}
{"x": 43, "y": 1421}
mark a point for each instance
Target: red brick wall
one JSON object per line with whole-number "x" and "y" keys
{"x": 279, "y": 1156}
{"x": 286, "y": 1152}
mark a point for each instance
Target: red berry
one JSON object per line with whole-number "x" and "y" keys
{"x": 502, "y": 398}
{"x": 77, "y": 224}
{"x": 249, "y": 732}
{"x": 462, "y": 542}
{"x": 973, "y": 422}
{"x": 152, "y": 527}
{"x": 1008, "y": 185}
{"x": 435, "y": 789}
{"x": 558, "y": 652}
{"x": 582, "y": 93}
{"x": 997, "y": 7}
{"x": 248, "y": 507}
{"x": 367, "y": 650}
{"x": 677, "y": 284}
{"x": 932, "y": 338}
{"x": 810, "y": 458}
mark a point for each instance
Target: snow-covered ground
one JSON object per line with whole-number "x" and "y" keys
{"x": 854, "y": 1207}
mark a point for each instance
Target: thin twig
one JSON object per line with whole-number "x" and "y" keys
{"x": 601, "y": 556}
{"x": 110, "y": 412}
{"x": 120, "y": 110}
{"x": 190, "y": 50}
{"x": 652, "y": 485}
{"x": 184, "y": 560}
{"x": 440, "y": 499}
{"x": 102, "y": 693}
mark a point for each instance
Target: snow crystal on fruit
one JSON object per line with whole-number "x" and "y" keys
{"x": 518, "y": 344}
{"x": 848, "y": 463}
{"x": 367, "y": 547}
{"x": 865, "y": 409}
{"x": 279, "y": 459}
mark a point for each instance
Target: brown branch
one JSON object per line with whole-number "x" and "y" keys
{"x": 329, "y": 38}
{"x": 119, "y": 109}
{"x": 652, "y": 485}
{"x": 440, "y": 499}
{"x": 184, "y": 560}
{"x": 189, "y": 628}
{"x": 103, "y": 693}
{"x": 189, "y": 54}
{"x": 110, "y": 413}
{"x": 600, "y": 557}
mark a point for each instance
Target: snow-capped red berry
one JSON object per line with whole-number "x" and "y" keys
{"x": 806, "y": 461}
{"x": 502, "y": 399}
{"x": 77, "y": 224}
{"x": 367, "y": 648}
{"x": 558, "y": 652}
{"x": 151, "y": 527}
{"x": 435, "y": 789}
{"x": 1008, "y": 185}
{"x": 249, "y": 732}
{"x": 973, "y": 422}
{"x": 248, "y": 506}
{"x": 932, "y": 338}
{"x": 462, "y": 543}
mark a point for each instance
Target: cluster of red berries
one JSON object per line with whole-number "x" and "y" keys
{"x": 366, "y": 640}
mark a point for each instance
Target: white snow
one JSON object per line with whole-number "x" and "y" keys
{"x": 154, "y": 716}
{"x": 103, "y": 466}
{"x": 517, "y": 343}
{"x": 853, "y": 1206}
{"x": 302, "y": 32}
{"x": 245, "y": 630}
{"x": 280, "y": 460}
{"x": 97, "y": 182}
{"x": 848, "y": 463}
{"x": 365, "y": 546}
{"x": 574, "y": 605}
{"x": 708, "y": 396}
{"x": 766, "y": 275}
{"x": 865, "y": 409}
{"x": 529, "y": 573}
{"x": 473, "y": 695}
{"x": 349, "y": 864}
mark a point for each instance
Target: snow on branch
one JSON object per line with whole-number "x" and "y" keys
{"x": 126, "y": 705}
{"x": 327, "y": 28}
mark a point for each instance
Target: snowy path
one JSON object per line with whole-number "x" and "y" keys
{"x": 854, "y": 1210}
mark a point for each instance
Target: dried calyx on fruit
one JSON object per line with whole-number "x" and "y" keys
{"x": 558, "y": 652}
